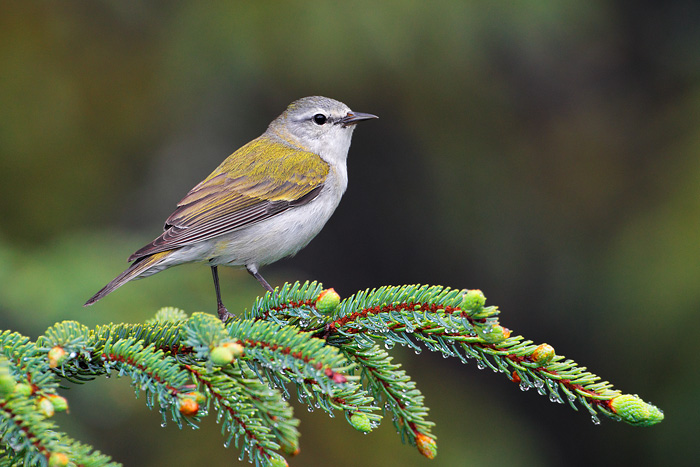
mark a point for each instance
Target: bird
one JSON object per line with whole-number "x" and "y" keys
{"x": 264, "y": 202}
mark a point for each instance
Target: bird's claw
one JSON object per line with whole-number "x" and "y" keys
{"x": 224, "y": 315}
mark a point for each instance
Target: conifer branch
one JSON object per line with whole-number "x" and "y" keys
{"x": 238, "y": 416}
{"x": 300, "y": 336}
{"x": 390, "y": 384}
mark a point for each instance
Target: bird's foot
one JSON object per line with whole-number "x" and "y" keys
{"x": 224, "y": 315}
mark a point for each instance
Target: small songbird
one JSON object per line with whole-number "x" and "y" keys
{"x": 266, "y": 201}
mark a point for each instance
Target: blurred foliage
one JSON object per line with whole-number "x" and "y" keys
{"x": 545, "y": 152}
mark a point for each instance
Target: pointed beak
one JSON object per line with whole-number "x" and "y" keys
{"x": 354, "y": 117}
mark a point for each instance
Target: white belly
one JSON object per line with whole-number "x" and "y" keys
{"x": 264, "y": 242}
{"x": 275, "y": 238}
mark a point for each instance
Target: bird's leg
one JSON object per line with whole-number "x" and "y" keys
{"x": 254, "y": 272}
{"x": 224, "y": 315}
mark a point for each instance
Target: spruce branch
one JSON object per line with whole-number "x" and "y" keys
{"x": 28, "y": 399}
{"x": 272, "y": 406}
{"x": 301, "y": 336}
{"x": 457, "y": 324}
{"x": 391, "y": 384}
{"x": 239, "y": 417}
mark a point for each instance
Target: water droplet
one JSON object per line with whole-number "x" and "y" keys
{"x": 480, "y": 365}
{"x": 571, "y": 397}
{"x": 417, "y": 350}
{"x": 163, "y": 424}
{"x": 595, "y": 419}
{"x": 389, "y": 344}
{"x": 524, "y": 386}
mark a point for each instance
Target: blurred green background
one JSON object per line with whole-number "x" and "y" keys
{"x": 544, "y": 152}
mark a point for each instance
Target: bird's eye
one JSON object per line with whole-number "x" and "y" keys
{"x": 320, "y": 119}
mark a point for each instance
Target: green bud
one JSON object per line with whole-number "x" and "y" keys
{"x": 58, "y": 459}
{"x": 473, "y": 301}
{"x": 277, "y": 460}
{"x": 291, "y": 448}
{"x": 45, "y": 407}
{"x": 633, "y": 410}
{"x": 543, "y": 354}
{"x": 197, "y": 396}
{"x": 493, "y": 334}
{"x": 7, "y": 382}
{"x": 327, "y": 301}
{"x": 235, "y": 348}
{"x": 426, "y": 445}
{"x": 22, "y": 389}
{"x": 56, "y": 356}
{"x": 221, "y": 356}
{"x": 360, "y": 422}
{"x": 60, "y": 404}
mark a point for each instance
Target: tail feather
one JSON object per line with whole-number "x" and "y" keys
{"x": 138, "y": 268}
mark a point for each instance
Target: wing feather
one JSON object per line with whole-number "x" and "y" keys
{"x": 246, "y": 188}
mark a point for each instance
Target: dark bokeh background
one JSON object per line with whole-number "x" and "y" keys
{"x": 544, "y": 152}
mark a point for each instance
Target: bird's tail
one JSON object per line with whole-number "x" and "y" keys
{"x": 138, "y": 268}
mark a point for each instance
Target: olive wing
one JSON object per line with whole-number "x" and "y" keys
{"x": 260, "y": 180}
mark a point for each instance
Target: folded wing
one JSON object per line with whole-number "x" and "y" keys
{"x": 260, "y": 180}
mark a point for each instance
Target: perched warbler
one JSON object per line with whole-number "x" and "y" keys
{"x": 264, "y": 202}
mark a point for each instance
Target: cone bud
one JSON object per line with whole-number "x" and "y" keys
{"x": 221, "y": 355}
{"x": 7, "y": 382}
{"x": 495, "y": 333}
{"x": 633, "y": 410}
{"x": 197, "y": 396}
{"x": 360, "y": 422}
{"x": 45, "y": 407}
{"x": 188, "y": 407}
{"x": 327, "y": 301}
{"x": 60, "y": 404}
{"x": 473, "y": 301}
{"x": 22, "y": 389}
{"x": 56, "y": 356}
{"x": 543, "y": 354}
{"x": 426, "y": 446}
{"x": 277, "y": 461}
{"x": 58, "y": 459}
{"x": 235, "y": 348}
